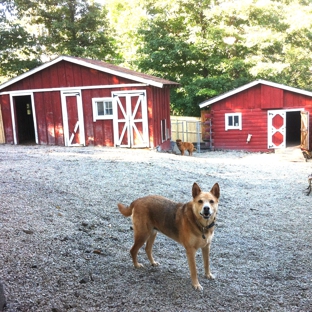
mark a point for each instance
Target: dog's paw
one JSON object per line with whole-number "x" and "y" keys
{"x": 198, "y": 287}
{"x": 209, "y": 276}
{"x": 139, "y": 265}
{"x": 155, "y": 263}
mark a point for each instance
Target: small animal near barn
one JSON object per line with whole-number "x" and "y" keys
{"x": 74, "y": 101}
{"x": 259, "y": 116}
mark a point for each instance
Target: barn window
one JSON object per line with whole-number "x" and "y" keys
{"x": 102, "y": 108}
{"x": 233, "y": 121}
{"x": 163, "y": 130}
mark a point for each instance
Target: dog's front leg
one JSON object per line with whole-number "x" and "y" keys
{"x": 206, "y": 258}
{"x": 190, "y": 252}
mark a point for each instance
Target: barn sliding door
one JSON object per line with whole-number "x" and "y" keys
{"x": 276, "y": 129}
{"x": 73, "y": 118}
{"x": 130, "y": 119}
{"x": 304, "y": 144}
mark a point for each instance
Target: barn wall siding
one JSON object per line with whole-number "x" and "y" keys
{"x": 157, "y": 112}
{"x": 46, "y": 85}
{"x": 65, "y": 74}
{"x": 254, "y": 104}
{"x": 271, "y": 98}
{"x": 237, "y": 139}
{"x": 7, "y": 119}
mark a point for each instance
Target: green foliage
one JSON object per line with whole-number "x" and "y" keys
{"x": 222, "y": 45}
{"x": 72, "y": 27}
{"x": 32, "y": 30}
{"x": 208, "y": 46}
{"x": 17, "y": 49}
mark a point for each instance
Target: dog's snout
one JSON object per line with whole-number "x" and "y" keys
{"x": 206, "y": 210}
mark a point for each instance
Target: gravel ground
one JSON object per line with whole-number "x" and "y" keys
{"x": 65, "y": 246}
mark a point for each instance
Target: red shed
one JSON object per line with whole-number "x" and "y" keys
{"x": 260, "y": 116}
{"x": 74, "y": 101}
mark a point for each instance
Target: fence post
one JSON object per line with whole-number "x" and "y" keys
{"x": 198, "y": 135}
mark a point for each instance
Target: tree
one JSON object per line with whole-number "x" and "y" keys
{"x": 221, "y": 45}
{"x": 71, "y": 27}
{"x": 18, "y": 48}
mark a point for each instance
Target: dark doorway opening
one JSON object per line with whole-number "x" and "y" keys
{"x": 293, "y": 125}
{"x": 25, "y": 129}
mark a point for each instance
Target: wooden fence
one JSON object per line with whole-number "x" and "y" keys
{"x": 191, "y": 129}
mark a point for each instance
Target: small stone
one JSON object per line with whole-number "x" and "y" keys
{"x": 28, "y": 231}
{"x": 85, "y": 280}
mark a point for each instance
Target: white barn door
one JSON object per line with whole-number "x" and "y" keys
{"x": 276, "y": 129}
{"x": 73, "y": 118}
{"x": 130, "y": 119}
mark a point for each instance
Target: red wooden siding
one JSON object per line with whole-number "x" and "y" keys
{"x": 157, "y": 112}
{"x": 237, "y": 139}
{"x": 6, "y": 117}
{"x": 254, "y": 104}
{"x": 99, "y": 132}
{"x": 271, "y": 98}
{"x": 49, "y": 118}
{"x": 65, "y": 74}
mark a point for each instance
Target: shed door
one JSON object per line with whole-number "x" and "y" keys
{"x": 73, "y": 118}
{"x": 276, "y": 129}
{"x": 304, "y": 130}
{"x": 130, "y": 119}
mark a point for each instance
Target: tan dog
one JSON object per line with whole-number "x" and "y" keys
{"x": 190, "y": 224}
{"x": 185, "y": 146}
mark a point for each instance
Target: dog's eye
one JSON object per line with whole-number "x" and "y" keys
{"x": 211, "y": 201}
{"x": 200, "y": 201}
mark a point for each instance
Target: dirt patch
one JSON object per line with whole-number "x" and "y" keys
{"x": 65, "y": 246}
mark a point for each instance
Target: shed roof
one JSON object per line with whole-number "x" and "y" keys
{"x": 100, "y": 66}
{"x": 250, "y": 85}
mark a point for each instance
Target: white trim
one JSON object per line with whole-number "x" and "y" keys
{"x": 89, "y": 65}
{"x": 96, "y": 116}
{"x": 80, "y": 122}
{"x": 271, "y": 130}
{"x": 122, "y": 85}
{"x": 235, "y": 127}
{"x": 128, "y": 118}
{"x": 252, "y": 84}
{"x": 24, "y": 93}
{"x": 162, "y": 128}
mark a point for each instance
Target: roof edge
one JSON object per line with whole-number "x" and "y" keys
{"x": 252, "y": 84}
{"x": 82, "y": 62}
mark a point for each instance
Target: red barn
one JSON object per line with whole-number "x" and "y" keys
{"x": 260, "y": 116}
{"x": 74, "y": 101}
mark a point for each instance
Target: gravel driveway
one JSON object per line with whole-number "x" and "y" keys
{"x": 65, "y": 246}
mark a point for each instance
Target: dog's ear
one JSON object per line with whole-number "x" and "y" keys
{"x": 215, "y": 191}
{"x": 195, "y": 190}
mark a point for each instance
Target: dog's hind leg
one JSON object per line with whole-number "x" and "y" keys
{"x": 149, "y": 247}
{"x": 138, "y": 243}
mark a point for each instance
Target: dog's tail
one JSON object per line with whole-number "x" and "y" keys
{"x": 126, "y": 211}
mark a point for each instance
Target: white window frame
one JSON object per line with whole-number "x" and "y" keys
{"x": 96, "y": 116}
{"x": 233, "y": 127}
{"x": 164, "y": 130}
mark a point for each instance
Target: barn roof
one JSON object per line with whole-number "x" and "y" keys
{"x": 100, "y": 66}
{"x": 250, "y": 85}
